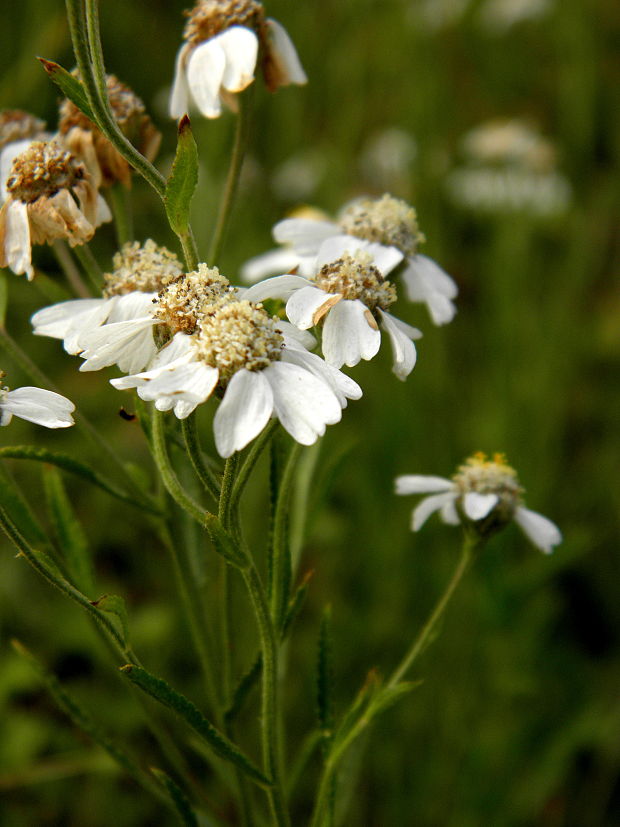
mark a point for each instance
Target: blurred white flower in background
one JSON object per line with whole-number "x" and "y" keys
{"x": 509, "y": 167}
{"x": 484, "y": 494}
{"x": 299, "y": 176}
{"x": 386, "y": 158}
{"x": 497, "y": 16}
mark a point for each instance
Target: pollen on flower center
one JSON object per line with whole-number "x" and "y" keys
{"x": 209, "y": 18}
{"x": 185, "y": 300}
{"x": 147, "y": 268}
{"x": 355, "y": 277}
{"x": 17, "y": 125}
{"x": 238, "y": 335}
{"x": 384, "y": 220}
{"x": 43, "y": 169}
{"x": 483, "y": 476}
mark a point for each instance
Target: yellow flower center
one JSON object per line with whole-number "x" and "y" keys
{"x": 183, "y": 302}
{"x": 355, "y": 277}
{"x": 384, "y": 220}
{"x": 490, "y": 476}
{"x": 147, "y": 268}
{"x": 43, "y": 169}
{"x": 209, "y": 18}
{"x": 237, "y": 335}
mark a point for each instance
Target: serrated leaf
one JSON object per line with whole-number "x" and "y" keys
{"x": 114, "y": 605}
{"x": 70, "y": 536}
{"x": 183, "y": 179}
{"x": 69, "y": 85}
{"x": 74, "y": 466}
{"x": 181, "y": 803}
{"x": 185, "y": 709}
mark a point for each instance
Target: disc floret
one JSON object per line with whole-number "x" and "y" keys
{"x": 183, "y": 302}
{"x": 43, "y": 169}
{"x": 491, "y": 476}
{"x": 209, "y": 18}
{"x": 354, "y": 276}
{"x": 17, "y": 125}
{"x": 386, "y": 220}
{"x": 146, "y": 268}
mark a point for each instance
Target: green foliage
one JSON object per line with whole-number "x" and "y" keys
{"x": 183, "y": 179}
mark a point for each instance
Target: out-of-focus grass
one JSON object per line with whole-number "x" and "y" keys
{"x": 517, "y": 722}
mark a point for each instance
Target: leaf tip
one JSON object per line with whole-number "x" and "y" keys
{"x": 50, "y": 67}
{"x": 184, "y": 125}
{"x": 126, "y": 669}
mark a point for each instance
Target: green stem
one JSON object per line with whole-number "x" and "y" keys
{"x": 224, "y": 516}
{"x": 207, "y": 477}
{"x": 123, "y": 219}
{"x": 280, "y": 551}
{"x": 256, "y": 449}
{"x": 190, "y": 250}
{"x": 234, "y": 170}
{"x": 269, "y": 702}
{"x": 93, "y": 271}
{"x": 72, "y": 273}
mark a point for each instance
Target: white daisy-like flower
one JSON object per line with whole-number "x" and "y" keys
{"x": 386, "y": 221}
{"x": 350, "y": 295}
{"x": 35, "y": 405}
{"x": 259, "y": 367}
{"x": 48, "y": 194}
{"x": 139, "y": 272}
{"x": 224, "y": 40}
{"x": 484, "y": 494}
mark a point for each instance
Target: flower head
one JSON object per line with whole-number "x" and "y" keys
{"x": 17, "y": 125}
{"x": 385, "y": 222}
{"x": 82, "y": 137}
{"x": 349, "y": 295}
{"x": 224, "y": 39}
{"x": 259, "y": 367}
{"x": 484, "y": 494}
{"x": 51, "y": 194}
{"x": 35, "y": 405}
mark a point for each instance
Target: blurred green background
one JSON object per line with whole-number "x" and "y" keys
{"x": 517, "y": 722}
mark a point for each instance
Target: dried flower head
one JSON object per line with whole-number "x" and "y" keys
{"x": 51, "y": 194}
{"x": 185, "y": 300}
{"x": 79, "y": 132}
{"x": 17, "y": 125}
{"x": 209, "y": 18}
{"x": 144, "y": 267}
{"x": 386, "y": 220}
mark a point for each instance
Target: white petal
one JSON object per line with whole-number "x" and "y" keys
{"x": 17, "y": 239}
{"x": 348, "y": 336}
{"x": 278, "y": 287}
{"x": 541, "y": 531}
{"x": 342, "y": 385}
{"x": 67, "y": 320}
{"x": 284, "y": 55}
{"x": 449, "y": 514}
{"x": 434, "y": 276}
{"x": 135, "y": 305}
{"x": 426, "y": 282}
{"x": 303, "y": 404}
{"x": 240, "y": 46}
{"x": 419, "y": 484}
{"x": 205, "y": 70}
{"x": 39, "y": 406}
{"x": 478, "y": 506}
{"x": 179, "y": 97}
{"x": 403, "y": 348}
{"x": 384, "y": 258}
{"x": 103, "y": 211}
{"x": 128, "y": 344}
{"x": 180, "y": 347}
{"x": 179, "y": 385}
{"x": 305, "y": 234}
{"x": 428, "y": 506}
{"x": 243, "y": 412}
{"x": 294, "y": 337}
{"x": 268, "y": 264}
{"x": 307, "y": 305}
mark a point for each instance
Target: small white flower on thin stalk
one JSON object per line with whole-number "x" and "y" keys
{"x": 386, "y": 221}
{"x": 484, "y": 494}
{"x": 35, "y": 405}
{"x": 139, "y": 273}
{"x": 225, "y": 39}
{"x": 259, "y": 368}
{"x": 49, "y": 194}
{"x": 350, "y": 296}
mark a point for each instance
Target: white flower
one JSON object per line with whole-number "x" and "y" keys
{"x": 483, "y": 493}
{"x": 35, "y": 405}
{"x": 259, "y": 367}
{"x": 139, "y": 273}
{"x": 223, "y": 41}
{"x": 350, "y": 295}
{"x": 48, "y": 194}
{"x": 386, "y": 221}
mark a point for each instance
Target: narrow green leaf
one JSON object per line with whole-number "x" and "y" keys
{"x": 4, "y": 296}
{"x": 185, "y": 709}
{"x": 74, "y": 466}
{"x": 15, "y": 504}
{"x": 325, "y": 675}
{"x": 114, "y": 605}
{"x": 358, "y": 707}
{"x": 296, "y": 603}
{"x": 69, "y": 85}
{"x": 184, "y": 809}
{"x": 183, "y": 179}
{"x": 224, "y": 543}
{"x": 69, "y": 534}
{"x": 243, "y": 688}
{"x": 388, "y": 696}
